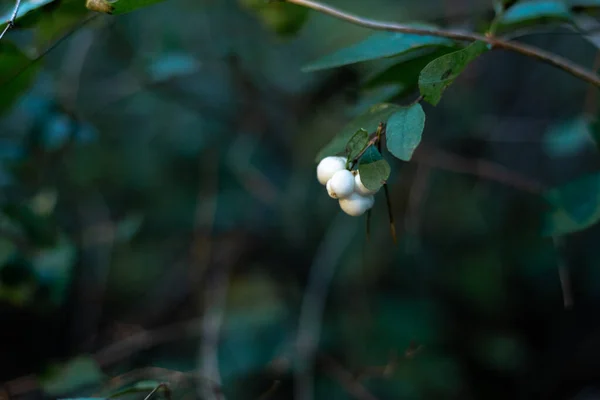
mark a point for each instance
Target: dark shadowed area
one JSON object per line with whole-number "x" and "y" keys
{"x": 163, "y": 233}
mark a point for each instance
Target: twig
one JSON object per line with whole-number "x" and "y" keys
{"x": 11, "y": 22}
{"x": 330, "y": 252}
{"x": 529, "y": 51}
{"x": 484, "y": 169}
{"x": 157, "y": 388}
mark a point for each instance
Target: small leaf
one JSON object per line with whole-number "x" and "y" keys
{"x": 535, "y": 12}
{"x": 357, "y": 143}
{"x": 404, "y": 130}
{"x": 441, "y": 72}
{"x": 285, "y": 19}
{"x": 574, "y": 206}
{"x": 74, "y": 375}
{"x": 374, "y": 170}
{"x": 368, "y": 121}
{"x": 378, "y": 45}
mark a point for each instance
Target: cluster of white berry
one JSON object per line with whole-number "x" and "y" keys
{"x": 355, "y": 199}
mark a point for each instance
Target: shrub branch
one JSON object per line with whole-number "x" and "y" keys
{"x": 495, "y": 42}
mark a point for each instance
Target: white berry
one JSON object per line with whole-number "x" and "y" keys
{"x": 360, "y": 188}
{"x": 341, "y": 184}
{"x": 329, "y": 166}
{"x": 356, "y": 205}
{"x": 330, "y": 191}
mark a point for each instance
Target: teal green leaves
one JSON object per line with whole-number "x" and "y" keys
{"x": 367, "y": 121}
{"x": 374, "y": 170}
{"x": 573, "y": 207}
{"x": 404, "y": 131}
{"x": 441, "y": 72}
{"x": 376, "y": 46}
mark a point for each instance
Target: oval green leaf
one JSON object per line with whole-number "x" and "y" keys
{"x": 378, "y": 45}
{"x": 374, "y": 170}
{"x": 441, "y": 72}
{"x": 357, "y": 144}
{"x": 367, "y": 121}
{"x": 404, "y": 131}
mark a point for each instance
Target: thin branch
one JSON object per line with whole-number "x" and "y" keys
{"x": 11, "y": 22}
{"x": 529, "y": 51}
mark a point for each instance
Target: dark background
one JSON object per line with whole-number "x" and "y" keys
{"x": 161, "y": 218}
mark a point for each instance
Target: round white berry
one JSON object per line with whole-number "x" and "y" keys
{"x": 330, "y": 191}
{"x": 360, "y": 188}
{"x": 329, "y": 166}
{"x": 356, "y": 205}
{"x": 341, "y": 184}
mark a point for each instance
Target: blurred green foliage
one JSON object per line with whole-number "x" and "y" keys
{"x": 157, "y": 181}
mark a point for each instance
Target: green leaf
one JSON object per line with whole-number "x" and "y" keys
{"x": 74, "y": 375}
{"x": 368, "y": 121}
{"x": 404, "y": 130}
{"x": 535, "y": 12}
{"x": 574, "y": 206}
{"x": 405, "y": 69}
{"x": 357, "y": 143}
{"x": 441, "y": 72}
{"x": 125, "y": 6}
{"x": 374, "y": 170}
{"x": 17, "y": 74}
{"x": 378, "y": 45}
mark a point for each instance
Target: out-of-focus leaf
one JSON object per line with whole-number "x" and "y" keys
{"x": 367, "y": 121}
{"x": 534, "y": 12}
{"x": 74, "y": 375}
{"x": 43, "y": 203}
{"x": 39, "y": 229}
{"x": 357, "y": 143}
{"x": 378, "y": 45}
{"x": 374, "y": 170}
{"x": 16, "y": 74}
{"x": 173, "y": 64}
{"x": 405, "y": 69}
{"x": 586, "y": 23}
{"x": 441, "y": 72}
{"x": 128, "y": 227}
{"x": 54, "y": 267}
{"x": 53, "y": 22}
{"x": 283, "y": 18}
{"x": 404, "y": 130}
{"x": 568, "y": 138}
{"x": 574, "y": 206}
